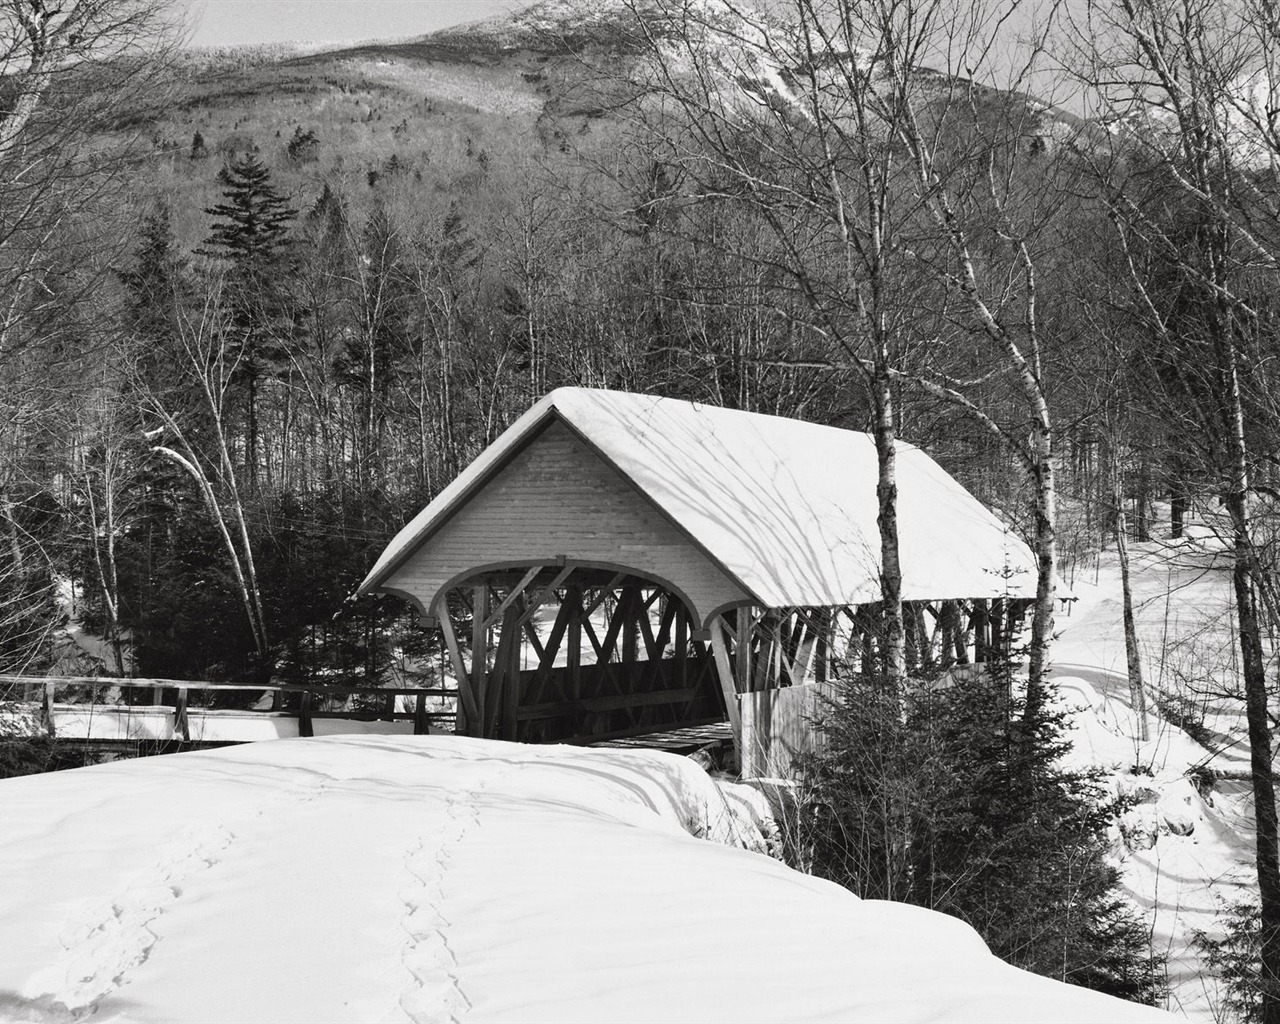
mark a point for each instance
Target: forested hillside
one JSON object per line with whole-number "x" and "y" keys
{"x": 297, "y": 294}
{"x": 326, "y": 284}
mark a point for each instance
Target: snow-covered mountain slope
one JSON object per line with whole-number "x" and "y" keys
{"x": 751, "y": 56}
{"x": 1186, "y": 850}
{"x": 442, "y": 878}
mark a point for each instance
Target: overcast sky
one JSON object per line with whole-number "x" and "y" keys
{"x": 221, "y": 22}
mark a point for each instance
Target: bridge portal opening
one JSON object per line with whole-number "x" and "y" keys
{"x": 548, "y": 654}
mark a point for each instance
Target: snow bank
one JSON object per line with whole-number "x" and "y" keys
{"x": 445, "y": 878}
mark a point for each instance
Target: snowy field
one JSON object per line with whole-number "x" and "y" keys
{"x": 441, "y": 878}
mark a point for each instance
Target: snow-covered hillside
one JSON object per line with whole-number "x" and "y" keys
{"x": 1186, "y": 851}
{"x": 442, "y": 878}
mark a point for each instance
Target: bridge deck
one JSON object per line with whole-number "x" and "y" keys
{"x": 678, "y": 741}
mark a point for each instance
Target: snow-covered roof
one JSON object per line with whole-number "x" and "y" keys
{"x": 786, "y": 508}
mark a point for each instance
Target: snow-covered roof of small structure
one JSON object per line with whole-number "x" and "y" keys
{"x": 786, "y": 508}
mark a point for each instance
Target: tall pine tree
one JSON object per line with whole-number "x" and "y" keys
{"x": 251, "y": 235}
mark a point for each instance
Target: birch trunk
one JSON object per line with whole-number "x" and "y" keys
{"x": 1045, "y": 546}
{"x": 215, "y": 510}
{"x": 1262, "y": 776}
{"x": 1133, "y": 656}
{"x": 894, "y": 655}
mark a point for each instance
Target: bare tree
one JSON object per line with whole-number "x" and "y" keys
{"x": 859, "y": 133}
{"x": 72, "y": 72}
{"x": 1189, "y": 88}
{"x": 207, "y": 368}
{"x": 785, "y": 120}
{"x": 69, "y": 71}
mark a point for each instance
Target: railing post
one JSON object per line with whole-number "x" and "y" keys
{"x": 304, "y": 715}
{"x": 181, "y": 726}
{"x": 420, "y": 715}
{"x": 47, "y": 708}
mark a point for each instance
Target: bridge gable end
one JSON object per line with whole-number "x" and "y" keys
{"x": 556, "y": 500}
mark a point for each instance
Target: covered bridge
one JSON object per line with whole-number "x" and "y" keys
{"x": 623, "y": 564}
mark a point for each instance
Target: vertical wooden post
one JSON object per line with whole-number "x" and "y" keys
{"x": 420, "y": 715}
{"x": 304, "y": 715}
{"x": 981, "y": 641}
{"x": 776, "y": 652}
{"x": 825, "y": 621}
{"x": 868, "y": 643}
{"x": 480, "y": 655}
{"x": 742, "y": 648}
{"x": 1000, "y": 651}
{"x": 946, "y": 630}
{"x": 573, "y": 652}
{"x": 495, "y": 702}
{"x": 922, "y": 636}
{"x": 181, "y": 727}
{"x": 720, "y": 651}
{"x": 47, "y": 709}
{"x": 761, "y": 677}
{"x": 682, "y": 642}
{"x": 510, "y": 669}
{"x": 853, "y": 645}
{"x": 961, "y": 637}
{"x": 468, "y": 717}
{"x": 632, "y": 607}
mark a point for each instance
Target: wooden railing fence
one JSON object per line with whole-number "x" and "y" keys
{"x": 43, "y": 690}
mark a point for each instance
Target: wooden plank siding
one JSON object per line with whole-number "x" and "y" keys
{"x": 778, "y": 726}
{"x": 558, "y": 500}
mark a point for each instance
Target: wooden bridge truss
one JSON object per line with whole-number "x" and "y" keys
{"x": 621, "y": 657}
{"x": 577, "y": 654}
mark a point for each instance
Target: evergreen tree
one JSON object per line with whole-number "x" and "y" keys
{"x": 304, "y": 146}
{"x": 327, "y": 217}
{"x": 155, "y": 283}
{"x": 251, "y": 235}
{"x": 958, "y": 803}
{"x": 252, "y": 225}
